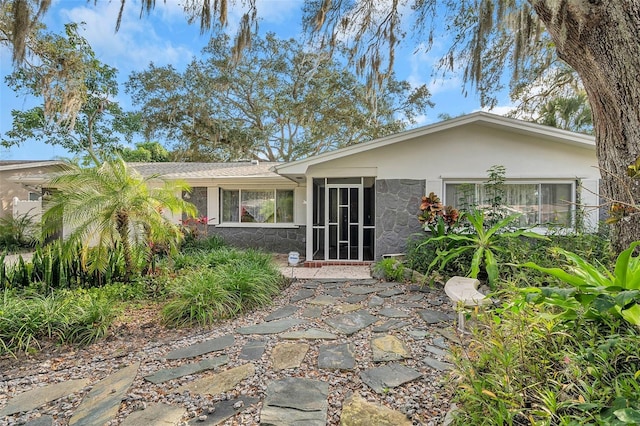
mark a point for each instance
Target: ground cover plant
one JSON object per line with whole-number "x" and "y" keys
{"x": 560, "y": 352}
{"x": 57, "y": 300}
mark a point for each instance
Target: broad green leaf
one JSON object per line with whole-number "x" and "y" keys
{"x": 632, "y": 314}
{"x": 491, "y": 266}
{"x": 628, "y": 415}
{"x": 622, "y": 264}
{"x": 558, "y": 273}
{"x": 475, "y": 262}
{"x": 558, "y": 292}
{"x": 603, "y": 303}
{"x": 625, "y": 297}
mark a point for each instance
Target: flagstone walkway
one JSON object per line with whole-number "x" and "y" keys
{"x": 350, "y": 352}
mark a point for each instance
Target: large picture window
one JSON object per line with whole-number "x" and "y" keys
{"x": 539, "y": 203}
{"x": 257, "y": 206}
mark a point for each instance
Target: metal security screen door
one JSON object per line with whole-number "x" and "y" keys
{"x": 341, "y": 231}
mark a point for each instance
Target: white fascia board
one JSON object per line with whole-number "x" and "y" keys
{"x": 33, "y": 165}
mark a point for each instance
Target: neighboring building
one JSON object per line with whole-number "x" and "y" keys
{"x": 16, "y": 183}
{"x": 361, "y": 202}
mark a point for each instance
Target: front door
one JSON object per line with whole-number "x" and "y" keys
{"x": 341, "y": 232}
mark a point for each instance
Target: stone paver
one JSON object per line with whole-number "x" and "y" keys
{"x": 284, "y": 312}
{"x": 310, "y": 334}
{"x": 355, "y": 298}
{"x": 389, "y": 325}
{"x": 376, "y": 301}
{"x": 352, "y": 322}
{"x": 362, "y": 290}
{"x": 436, "y": 351}
{"x": 27, "y": 401}
{"x": 202, "y": 348}
{"x": 156, "y": 415}
{"x": 357, "y": 411}
{"x": 224, "y": 410}
{"x": 41, "y": 421}
{"x": 390, "y": 292}
{"x": 323, "y": 300}
{"x": 167, "y": 374}
{"x": 388, "y": 376}
{"x": 288, "y": 355}
{"x": 431, "y": 316}
{"x": 389, "y": 348}
{"x": 295, "y": 401}
{"x": 302, "y": 294}
{"x": 393, "y": 313}
{"x": 346, "y": 308}
{"x": 103, "y": 402}
{"x": 312, "y": 312}
{"x": 253, "y": 350}
{"x": 437, "y": 365}
{"x": 270, "y": 327}
{"x": 336, "y": 357}
{"x": 220, "y": 382}
{"x": 417, "y": 334}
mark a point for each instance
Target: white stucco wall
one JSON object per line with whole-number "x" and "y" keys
{"x": 467, "y": 152}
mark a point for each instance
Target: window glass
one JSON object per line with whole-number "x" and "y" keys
{"x": 284, "y": 206}
{"x": 548, "y": 203}
{"x": 556, "y": 204}
{"x": 258, "y": 206}
{"x": 230, "y": 206}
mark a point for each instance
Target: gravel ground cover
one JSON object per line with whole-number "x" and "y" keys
{"x": 140, "y": 337}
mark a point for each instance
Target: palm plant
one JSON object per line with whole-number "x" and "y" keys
{"x": 112, "y": 204}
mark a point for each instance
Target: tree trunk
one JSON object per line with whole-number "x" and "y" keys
{"x": 601, "y": 41}
{"x": 122, "y": 225}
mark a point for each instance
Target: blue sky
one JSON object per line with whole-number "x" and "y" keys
{"x": 164, "y": 37}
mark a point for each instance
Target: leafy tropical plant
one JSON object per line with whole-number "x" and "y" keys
{"x": 391, "y": 269}
{"x": 18, "y": 232}
{"x": 595, "y": 290}
{"x": 483, "y": 242}
{"x": 112, "y": 203}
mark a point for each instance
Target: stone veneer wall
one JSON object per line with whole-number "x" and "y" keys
{"x": 276, "y": 240}
{"x": 397, "y": 208}
{"x": 198, "y": 197}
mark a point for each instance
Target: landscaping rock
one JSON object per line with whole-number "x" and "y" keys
{"x": 271, "y": 327}
{"x": 357, "y": 411}
{"x": 288, "y": 355}
{"x": 103, "y": 402}
{"x": 198, "y": 349}
{"x": 295, "y": 401}
{"x": 336, "y": 357}
{"x": 173, "y": 373}
{"x": 310, "y": 334}
{"x": 431, "y": 316}
{"x": 156, "y": 415}
{"x": 393, "y": 313}
{"x": 220, "y": 382}
{"x": 27, "y": 401}
{"x": 284, "y": 312}
{"x": 352, "y": 322}
{"x": 252, "y": 350}
{"x": 389, "y": 348}
{"x": 224, "y": 410}
{"x": 302, "y": 294}
{"x": 388, "y": 376}
{"x": 437, "y": 365}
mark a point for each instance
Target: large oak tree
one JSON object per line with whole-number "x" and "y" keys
{"x": 279, "y": 101}
{"x": 599, "y": 39}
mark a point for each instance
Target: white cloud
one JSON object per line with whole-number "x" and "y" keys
{"x": 137, "y": 42}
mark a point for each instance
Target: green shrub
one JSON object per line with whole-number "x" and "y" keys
{"x": 18, "y": 233}
{"x": 199, "y": 298}
{"x": 230, "y": 282}
{"x": 70, "y": 316}
{"x": 524, "y": 366}
{"x": 392, "y": 269}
